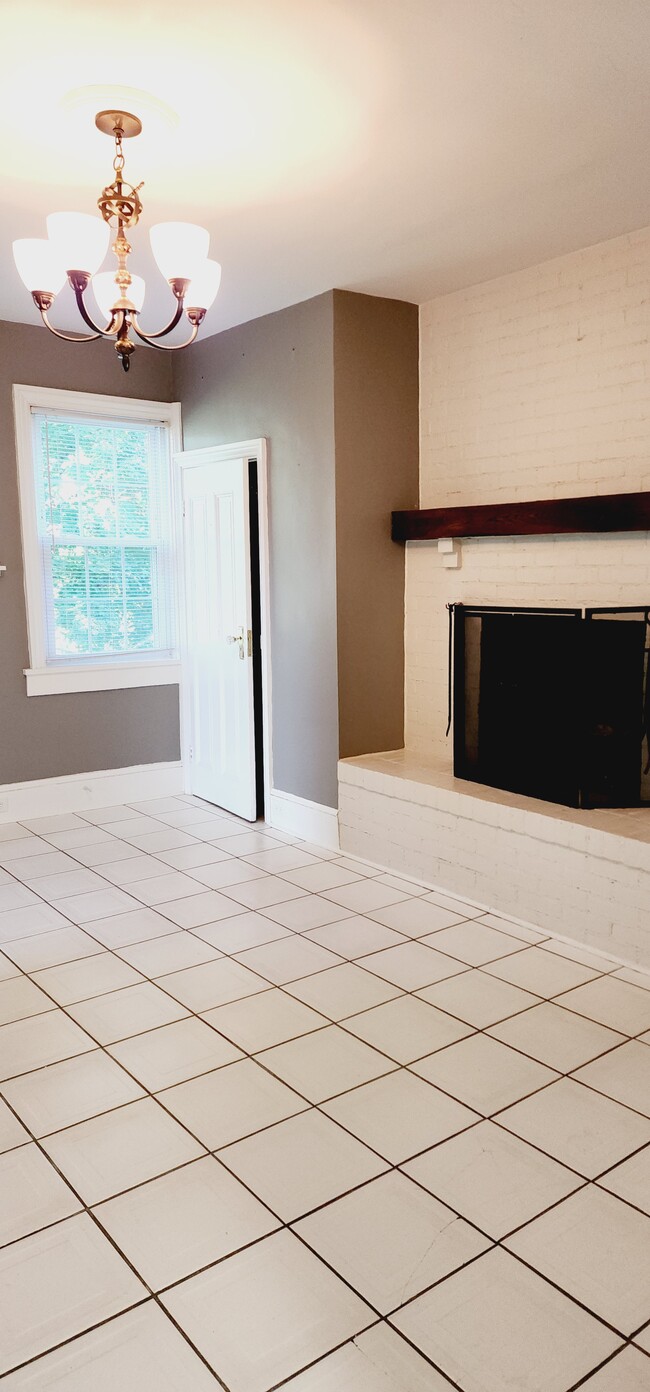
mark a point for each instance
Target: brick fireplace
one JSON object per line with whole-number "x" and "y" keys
{"x": 536, "y": 385}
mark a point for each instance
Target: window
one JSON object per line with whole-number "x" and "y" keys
{"x": 98, "y": 539}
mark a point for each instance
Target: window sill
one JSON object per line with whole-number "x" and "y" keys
{"x": 101, "y": 676}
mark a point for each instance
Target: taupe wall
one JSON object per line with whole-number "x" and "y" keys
{"x": 47, "y": 736}
{"x": 376, "y": 447}
{"x": 274, "y": 377}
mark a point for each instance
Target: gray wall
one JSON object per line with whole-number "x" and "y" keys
{"x": 376, "y": 447}
{"x": 47, "y": 736}
{"x": 273, "y": 377}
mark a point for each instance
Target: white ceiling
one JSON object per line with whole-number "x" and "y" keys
{"x": 399, "y": 147}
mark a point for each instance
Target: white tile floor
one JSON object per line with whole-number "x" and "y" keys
{"x": 271, "y": 1118}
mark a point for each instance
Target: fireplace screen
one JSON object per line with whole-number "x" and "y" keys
{"x": 553, "y": 703}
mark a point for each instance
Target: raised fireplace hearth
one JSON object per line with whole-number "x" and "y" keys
{"x": 553, "y": 703}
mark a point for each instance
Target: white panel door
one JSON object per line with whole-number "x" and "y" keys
{"x": 217, "y": 666}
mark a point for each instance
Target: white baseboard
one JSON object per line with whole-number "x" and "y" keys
{"x": 78, "y": 791}
{"x": 299, "y": 817}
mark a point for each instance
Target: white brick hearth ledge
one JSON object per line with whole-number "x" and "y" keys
{"x": 584, "y": 875}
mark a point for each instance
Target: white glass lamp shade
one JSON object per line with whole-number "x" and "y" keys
{"x": 79, "y": 240}
{"x": 38, "y": 265}
{"x": 203, "y": 287}
{"x": 180, "y": 248}
{"x": 107, "y": 292}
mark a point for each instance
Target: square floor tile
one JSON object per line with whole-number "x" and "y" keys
{"x": 309, "y": 911}
{"x": 174, "y": 1053}
{"x": 406, "y": 1028}
{"x": 175, "y": 952}
{"x": 543, "y": 973}
{"x": 399, "y": 1115}
{"x": 49, "y": 949}
{"x": 398, "y": 882}
{"x": 85, "y": 835}
{"x": 237, "y": 934}
{"x": 598, "y": 1250}
{"x": 65, "y": 1093}
{"x": 624, "y": 1075}
{"x": 377, "y": 1361}
{"x": 614, "y": 1003}
{"x": 301, "y": 1163}
{"x": 206, "y": 907}
{"x": 20, "y": 998}
{"x": 627, "y": 1372}
{"x": 326, "y": 1063}
{"x": 631, "y": 1180}
{"x": 7, "y": 969}
{"x": 123, "y": 1013}
{"x": 88, "y": 976}
{"x": 168, "y": 840}
{"x": 173, "y": 1226}
{"x": 58, "y": 1282}
{"x": 264, "y": 1314}
{"x": 42, "y": 1039}
{"x": 390, "y": 1240}
{"x": 12, "y": 1133}
{"x": 186, "y": 857}
{"x": 213, "y": 983}
{"x": 576, "y": 953}
{"x": 508, "y": 925}
{"x": 159, "y": 889}
{"x": 100, "y": 903}
{"x": 474, "y": 943}
{"x": 246, "y": 842}
{"x": 497, "y": 1325}
{"x": 355, "y": 937}
{"x": 140, "y": 1351}
{"x": 21, "y": 847}
{"x": 34, "y": 918}
{"x": 120, "y": 930}
{"x": 134, "y": 870}
{"x": 32, "y": 1195}
{"x": 259, "y": 1022}
{"x": 412, "y": 965}
{"x": 556, "y": 1037}
{"x": 342, "y": 990}
{"x": 115, "y": 1151}
{"x": 285, "y": 858}
{"x": 359, "y": 867}
{"x": 287, "y": 960}
{"x": 259, "y": 894}
{"x": 31, "y": 868}
{"x": 54, "y": 887}
{"x": 457, "y": 906}
{"x": 478, "y": 999}
{"x": 484, "y": 1074}
{"x": 365, "y": 896}
{"x": 316, "y": 878}
{"x": 491, "y": 1178}
{"x": 231, "y": 1103}
{"x": 15, "y": 896}
{"x": 415, "y": 917}
{"x": 579, "y": 1127}
{"x": 226, "y": 874}
{"x": 105, "y": 852}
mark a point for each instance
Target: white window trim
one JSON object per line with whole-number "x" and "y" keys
{"x": 112, "y": 674}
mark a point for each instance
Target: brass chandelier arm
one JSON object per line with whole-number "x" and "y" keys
{"x": 164, "y": 347}
{"x": 113, "y": 323}
{"x": 68, "y": 338}
{"x": 176, "y": 318}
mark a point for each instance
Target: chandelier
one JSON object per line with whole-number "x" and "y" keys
{"x": 76, "y": 246}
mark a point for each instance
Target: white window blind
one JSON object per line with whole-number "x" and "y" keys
{"x": 104, "y": 527}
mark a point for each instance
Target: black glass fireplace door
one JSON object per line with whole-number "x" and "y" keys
{"x": 552, "y": 703}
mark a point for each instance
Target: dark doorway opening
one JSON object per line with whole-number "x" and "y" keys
{"x": 553, "y": 703}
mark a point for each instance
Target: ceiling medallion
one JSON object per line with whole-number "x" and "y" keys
{"x": 76, "y": 246}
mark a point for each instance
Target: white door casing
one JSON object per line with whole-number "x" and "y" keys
{"x": 217, "y": 694}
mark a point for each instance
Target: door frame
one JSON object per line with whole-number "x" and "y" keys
{"x": 214, "y": 454}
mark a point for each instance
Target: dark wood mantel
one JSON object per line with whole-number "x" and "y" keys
{"x": 611, "y": 512}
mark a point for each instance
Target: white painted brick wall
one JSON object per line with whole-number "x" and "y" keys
{"x": 535, "y": 385}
